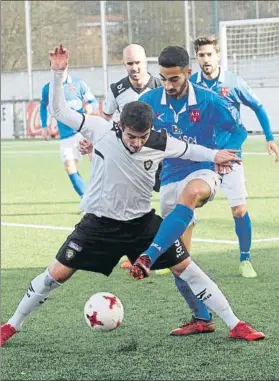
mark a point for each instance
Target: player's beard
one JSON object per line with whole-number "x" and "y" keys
{"x": 180, "y": 91}
{"x": 209, "y": 70}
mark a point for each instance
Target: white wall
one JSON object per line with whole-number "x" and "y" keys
{"x": 15, "y": 86}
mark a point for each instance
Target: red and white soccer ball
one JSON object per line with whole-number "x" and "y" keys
{"x": 103, "y": 312}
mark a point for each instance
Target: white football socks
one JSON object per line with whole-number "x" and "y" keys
{"x": 38, "y": 291}
{"x": 208, "y": 291}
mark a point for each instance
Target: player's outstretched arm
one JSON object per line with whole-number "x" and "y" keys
{"x": 89, "y": 125}
{"x": 178, "y": 149}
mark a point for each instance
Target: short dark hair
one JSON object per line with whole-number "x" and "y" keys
{"x": 173, "y": 56}
{"x": 209, "y": 39}
{"x": 137, "y": 115}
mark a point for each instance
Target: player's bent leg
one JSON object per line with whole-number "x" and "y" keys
{"x": 207, "y": 291}
{"x": 243, "y": 231}
{"x": 37, "y": 293}
{"x": 195, "y": 193}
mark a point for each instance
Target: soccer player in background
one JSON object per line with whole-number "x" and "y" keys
{"x": 237, "y": 92}
{"x": 128, "y": 89}
{"x": 80, "y": 98}
{"x": 191, "y": 113}
{"x": 125, "y": 161}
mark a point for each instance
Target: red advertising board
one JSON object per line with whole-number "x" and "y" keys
{"x": 33, "y": 121}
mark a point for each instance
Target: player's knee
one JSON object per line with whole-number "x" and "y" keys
{"x": 193, "y": 196}
{"x": 180, "y": 267}
{"x": 70, "y": 167}
{"x": 239, "y": 211}
{"x": 60, "y": 273}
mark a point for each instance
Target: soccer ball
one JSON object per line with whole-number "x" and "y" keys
{"x": 103, "y": 312}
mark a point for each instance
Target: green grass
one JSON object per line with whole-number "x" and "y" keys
{"x": 56, "y": 343}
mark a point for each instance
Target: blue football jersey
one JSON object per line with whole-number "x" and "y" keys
{"x": 234, "y": 89}
{"x": 202, "y": 113}
{"x": 76, "y": 92}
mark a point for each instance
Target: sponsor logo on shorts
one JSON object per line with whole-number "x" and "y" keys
{"x": 70, "y": 253}
{"x": 148, "y": 164}
{"x": 178, "y": 248}
{"x": 74, "y": 246}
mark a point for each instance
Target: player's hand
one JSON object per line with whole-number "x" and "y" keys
{"x": 272, "y": 147}
{"x": 141, "y": 268}
{"x": 45, "y": 133}
{"x": 85, "y": 146}
{"x": 223, "y": 169}
{"x": 227, "y": 157}
{"x": 59, "y": 58}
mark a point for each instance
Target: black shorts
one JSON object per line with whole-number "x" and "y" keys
{"x": 98, "y": 243}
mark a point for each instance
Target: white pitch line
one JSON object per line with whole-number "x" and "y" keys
{"x": 49, "y": 227}
{"x": 257, "y": 153}
{"x": 63, "y": 228}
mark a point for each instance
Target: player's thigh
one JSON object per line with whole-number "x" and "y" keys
{"x": 234, "y": 187}
{"x": 169, "y": 195}
{"x": 174, "y": 255}
{"x": 91, "y": 247}
{"x": 69, "y": 149}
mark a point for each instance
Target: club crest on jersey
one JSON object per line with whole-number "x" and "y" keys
{"x": 195, "y": 115}
{"x": 148, "y": 164}
{"x": 224, "y": 91}
{"x": 72, "y": 88}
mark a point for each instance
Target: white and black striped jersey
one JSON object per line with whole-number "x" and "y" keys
{"x": 121, "y": 183}
{"x": 123, "y": 92}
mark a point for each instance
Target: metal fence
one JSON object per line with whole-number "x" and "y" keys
{"x": 153, "y": 24}
{"x": 96, "y": 32}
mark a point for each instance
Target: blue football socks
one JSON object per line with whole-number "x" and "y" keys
{"x": 172, "y": 227}
{"x": 243, "y": 230}
{"x": 197, "y": 306}
{"x": 78, "y": 183}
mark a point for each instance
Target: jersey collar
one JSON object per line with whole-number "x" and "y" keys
{"x": 191, "y": 96}
{"x": 69, "y": 79}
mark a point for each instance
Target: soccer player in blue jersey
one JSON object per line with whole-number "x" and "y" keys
{"x": 79, "y": 97}
{"x": 191, "y": 113}
{"x": 236, "y": 91}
